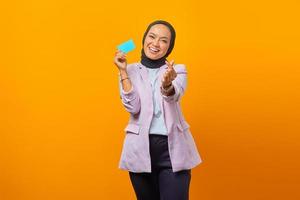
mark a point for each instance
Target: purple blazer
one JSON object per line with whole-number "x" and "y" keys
{"x": 135, "y": 156}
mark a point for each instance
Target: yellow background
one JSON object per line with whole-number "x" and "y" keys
{"x": 61, "y": 119}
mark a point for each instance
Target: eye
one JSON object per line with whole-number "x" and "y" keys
{"x": 165, "y": 41}
{"x": 151, "y": 36}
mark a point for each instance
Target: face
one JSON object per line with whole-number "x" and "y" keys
{"x": 157, "y": 41}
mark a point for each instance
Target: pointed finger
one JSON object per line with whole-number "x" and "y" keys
{"x": 172, "y": 62}
{"x": 171, "y": 65}
{"x": 167, "y": 63}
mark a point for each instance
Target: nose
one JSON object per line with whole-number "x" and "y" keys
{"x": 155, "y": 42}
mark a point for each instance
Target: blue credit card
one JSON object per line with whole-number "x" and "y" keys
{"x": 127, "y": 46}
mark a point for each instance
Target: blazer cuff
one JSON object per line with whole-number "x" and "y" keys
{"x": 168, "y": 91}
{"x": 174, "y": 96}
{"x": 129, "y": 95}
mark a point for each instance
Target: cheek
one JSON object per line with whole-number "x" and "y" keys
{"x": 165, "y": 47}
{"x": 146, "y": 43}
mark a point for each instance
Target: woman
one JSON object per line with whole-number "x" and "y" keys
{"x": 158, "y": 150}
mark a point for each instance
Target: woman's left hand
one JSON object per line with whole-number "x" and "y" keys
{"x": 169, "y": 75}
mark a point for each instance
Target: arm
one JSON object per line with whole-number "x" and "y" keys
{"x": 129, "y": 96}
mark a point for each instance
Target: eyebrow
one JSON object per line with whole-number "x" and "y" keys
{"x": 155, "y": 35}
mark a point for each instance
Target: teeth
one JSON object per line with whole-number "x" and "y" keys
{"x": 153, "y": 49}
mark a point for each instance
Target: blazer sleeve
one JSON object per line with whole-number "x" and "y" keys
{"x": 130, "y": 99}
{"x": 179, "y": 84}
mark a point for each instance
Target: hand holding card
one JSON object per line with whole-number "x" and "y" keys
{"x": 120, "y": 56}
{"x": 120, "y": 60}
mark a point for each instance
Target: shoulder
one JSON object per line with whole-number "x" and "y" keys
{"x": 132, "y": 68}
{"x": 180, "y": 68}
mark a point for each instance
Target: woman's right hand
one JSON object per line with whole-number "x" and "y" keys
{"x": 120, "y": 60}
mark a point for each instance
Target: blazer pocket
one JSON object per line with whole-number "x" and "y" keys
{"x": 132, "y": 128}
{"x": 183, "y": 125}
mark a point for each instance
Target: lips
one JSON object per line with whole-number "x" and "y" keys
{"x": 153, "y": 50}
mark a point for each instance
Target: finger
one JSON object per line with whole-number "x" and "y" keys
{"x": 171, "y": 75}
{"x": 168, "y": 78}
{"x": 170, "y": 66}
{"x": 175, "y": 75}
{"x": 163, "y": 80}
{"x": 121, "y": 55}
{"x": 118, "y": 54}
{"x": 167, "y": 62}
{"x": 165, "y": 77}
{"x": 172, "y": 62}
{"x": 173, "y": 78}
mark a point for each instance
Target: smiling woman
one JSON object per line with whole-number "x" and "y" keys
{"x": 159, "y": 150}
{"x": 157, "y": 42}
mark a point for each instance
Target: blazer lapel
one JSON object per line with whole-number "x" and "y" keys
{"x": 144, "y": 74}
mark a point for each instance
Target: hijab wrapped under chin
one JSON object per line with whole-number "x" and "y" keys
{"x": 149, "y": 63}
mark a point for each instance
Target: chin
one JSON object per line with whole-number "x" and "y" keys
{"x": 153, "y": 58}
{"x": 150, "y": 56}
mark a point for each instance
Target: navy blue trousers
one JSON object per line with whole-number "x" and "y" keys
{"x": 162, "y": 183}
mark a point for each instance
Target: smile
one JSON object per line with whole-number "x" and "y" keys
{"x": 153, "y": 50}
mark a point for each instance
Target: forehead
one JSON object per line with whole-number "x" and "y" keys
{"x": 160, "y": 30}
